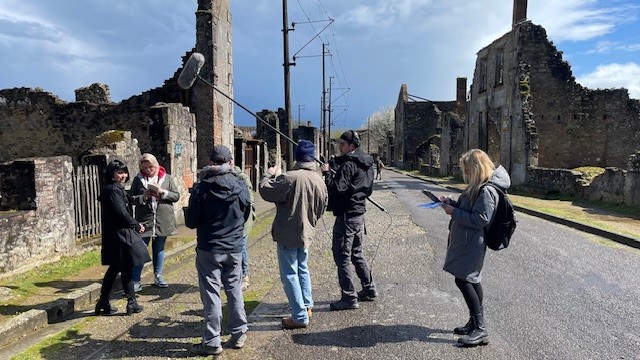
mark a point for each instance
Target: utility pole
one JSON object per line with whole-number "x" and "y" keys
{"x": 368, "y": 135}
{"x": 325, "y": 137}
{"x": 287, "y": 83}
{"x": 329, "y": 109}
{"x": 300, "y": 109}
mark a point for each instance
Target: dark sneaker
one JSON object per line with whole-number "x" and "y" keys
{"x": 343, "y": 305}
{"x": 367, "y": 295}
{"x": 237, "y": 343}
{"x": 202, "y": 349}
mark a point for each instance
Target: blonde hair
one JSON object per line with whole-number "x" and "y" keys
{"x": 146, "y": 157}
{"x": 477, "y": 169}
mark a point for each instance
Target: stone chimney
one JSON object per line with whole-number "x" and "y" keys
{"x": 461, "y": 97}
{"x": 519, "y": 12}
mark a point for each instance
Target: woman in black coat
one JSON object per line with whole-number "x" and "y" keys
{"x": 122, "y": 246}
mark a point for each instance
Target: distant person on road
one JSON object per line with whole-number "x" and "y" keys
{"x": 300, "y": 196}
{"x": 218, "y": 208}
{"x": 153, "y": 193}
{"x": 466, "y": 249}
{"x": 122, "y": 247}
{"x": 248, "y": 225}
{"x": 348, "y": 189}
{"x": 379, "y": 166}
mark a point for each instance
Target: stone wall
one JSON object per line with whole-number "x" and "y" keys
{"x": 527, "y": 110}
{"x": 415, "y": 122}
{"x": 562, "y": 181}
{"x": 45, "y": 230}
{"x": 632, "y": 181}
{"x": 35, "y": 123}
{"x": 608, "y": 187}
{"x": 577, "y": 126}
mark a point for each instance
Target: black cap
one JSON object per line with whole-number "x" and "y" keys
{"x": 220, "y": 154}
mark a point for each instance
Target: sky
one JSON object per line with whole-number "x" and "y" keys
{"x": 373, "y": 47}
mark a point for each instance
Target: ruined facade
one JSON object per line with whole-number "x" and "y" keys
{"x": 527, "y": 110}
{"x": 416, "y": 120}
{"x": 37, "y": 123}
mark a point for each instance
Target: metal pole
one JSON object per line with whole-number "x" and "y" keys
{"x": 287, "y": 83}
{"x": 325, "y": 138}
{"x": 329, "y": 111}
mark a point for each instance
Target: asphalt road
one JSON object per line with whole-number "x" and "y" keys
{"x": 555, "y": 293}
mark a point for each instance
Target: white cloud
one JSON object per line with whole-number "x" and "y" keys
{"x": 579, "y": 20}
{"x": 608, "y": 47}
{"x": 614, "y": 76}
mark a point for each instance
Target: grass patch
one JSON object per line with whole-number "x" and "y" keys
{"x": 54, "y": 344}
{"x": 23, "y": 284}
{"x": 590, "y": 172}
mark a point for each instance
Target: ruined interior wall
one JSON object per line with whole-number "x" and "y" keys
{"x": 44, "y": 229}
{"x": 577, "y": 126}
{"x": 34, "y": 123}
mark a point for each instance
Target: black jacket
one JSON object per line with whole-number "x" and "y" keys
{"x": 351, "y": 184}
{"x": 218, "y": 207}
{"x": 121, "y": 243}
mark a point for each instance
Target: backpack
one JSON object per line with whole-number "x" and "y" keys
{"x": 499, "y": 231}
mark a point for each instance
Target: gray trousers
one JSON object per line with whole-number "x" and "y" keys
{"x": 347, "y": 249}
{"x": 215, "y": 270}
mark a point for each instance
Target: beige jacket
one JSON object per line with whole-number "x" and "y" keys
{"x": 300, "y": 196}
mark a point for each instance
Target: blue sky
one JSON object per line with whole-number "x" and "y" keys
{"x": 375, "y": 46}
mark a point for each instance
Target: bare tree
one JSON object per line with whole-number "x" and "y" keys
{"x": 379, "y": 124}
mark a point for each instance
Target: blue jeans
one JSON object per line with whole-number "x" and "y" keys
{"x": 294, "y": 274}
{"x": 157, "y": 248}
{"x": 245, "y": 257}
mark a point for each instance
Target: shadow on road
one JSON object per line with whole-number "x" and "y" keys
{"x": 370, "y": 335}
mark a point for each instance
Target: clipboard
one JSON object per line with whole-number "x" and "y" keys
{"x": 431, "y": 196}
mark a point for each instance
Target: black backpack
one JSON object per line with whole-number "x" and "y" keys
{"x": 499, "y": 231}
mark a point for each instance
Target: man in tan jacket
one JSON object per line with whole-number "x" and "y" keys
{"x": 300, "y": 196}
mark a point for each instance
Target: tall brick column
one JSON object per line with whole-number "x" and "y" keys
{"x": 214, "y": 113}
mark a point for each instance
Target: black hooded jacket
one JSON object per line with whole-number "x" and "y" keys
{"x": 352, "y": 183}
{"x": 218, "y": 208}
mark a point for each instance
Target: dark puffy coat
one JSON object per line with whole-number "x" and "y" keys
{"x": 352, "y": 183}
{"x": 218, "y": 207}
{"x": 121, "y": 244}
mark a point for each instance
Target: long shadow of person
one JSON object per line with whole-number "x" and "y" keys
{"x": 370, "y": 335}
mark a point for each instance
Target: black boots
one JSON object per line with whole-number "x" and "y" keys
{"x": 104, "y": 307}
{"x": 133, "y": 306}
{"x": 466, "y": 329}
{"x": 477, "y": 336}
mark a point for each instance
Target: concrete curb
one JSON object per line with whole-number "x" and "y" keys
{"x": 621, "y": 239}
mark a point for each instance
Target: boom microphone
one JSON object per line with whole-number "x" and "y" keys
{"x": 190, "y": 71}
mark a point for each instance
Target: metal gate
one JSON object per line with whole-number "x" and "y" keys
{"x": 86, "y": 188}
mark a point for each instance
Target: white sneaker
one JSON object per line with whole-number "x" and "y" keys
{"x": 137, "y": 287}
{"x": 159, "y": 281}
{"x": 245, "y": 283}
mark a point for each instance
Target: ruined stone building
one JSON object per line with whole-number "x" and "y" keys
{"x": 418, "y": 128}
{"x": 527, "y": 110}
{"x": 37, "y": 123}
{"x": 43, "y": 138}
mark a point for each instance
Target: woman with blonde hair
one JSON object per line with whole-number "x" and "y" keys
{"x": 153, "y": 192}
{"x": 470, "y": 215}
